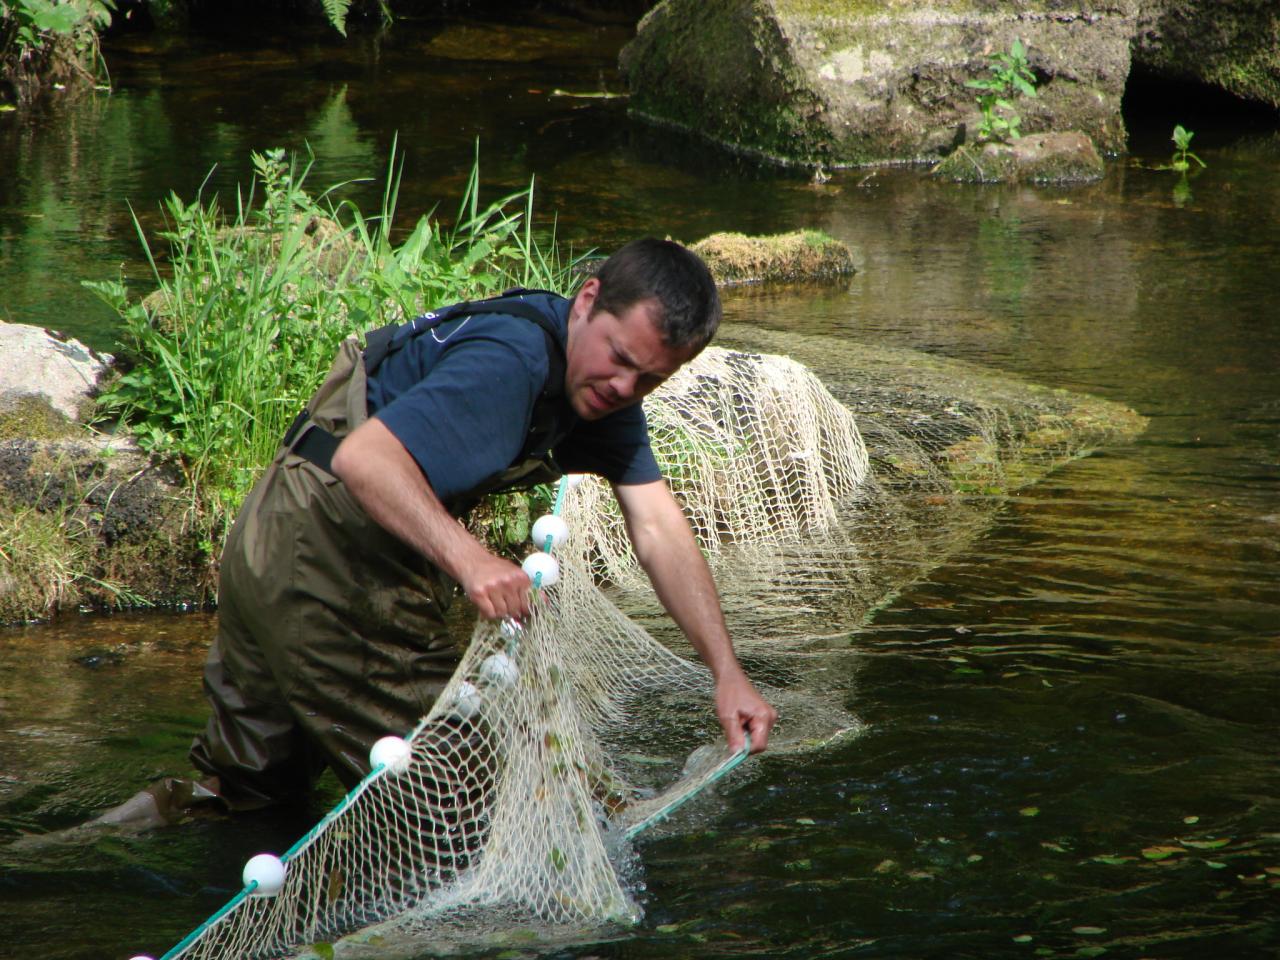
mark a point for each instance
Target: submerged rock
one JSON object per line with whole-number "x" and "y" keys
{"x": 874, "y": 81}
{"x": 1044, "y": 157}
{"x": 801, "y": 255}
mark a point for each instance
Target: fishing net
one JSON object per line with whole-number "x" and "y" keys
{"x": 511, "y": 805}
{"x": 913, "y": 455}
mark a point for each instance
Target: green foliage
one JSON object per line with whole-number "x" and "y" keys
{"x": 1180, "y": 163}
{"x": 1011, "y": 76}
{"x": 247, "y": 318}
{"x": 1182, "y": 154}
{"x": 336, "y": 11}
{"x": 49, "y": 43}
{"x": 30, "y": 25}
{"x": 505, "y": 520}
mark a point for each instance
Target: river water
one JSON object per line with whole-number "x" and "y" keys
{"x": 1092, "y": 684}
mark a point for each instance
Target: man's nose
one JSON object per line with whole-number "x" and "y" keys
{"x": 624, "y": 384}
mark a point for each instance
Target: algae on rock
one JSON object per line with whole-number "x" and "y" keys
{"x": 1234, "y": 46}
{"x": 92, "y": 523}
{"x": 787, "y": 257}
{"x": 1045, "y": 158}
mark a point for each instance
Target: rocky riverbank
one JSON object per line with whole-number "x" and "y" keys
{"x": 816, "y": 83}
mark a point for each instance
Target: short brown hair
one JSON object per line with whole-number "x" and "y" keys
{"x": 674, "y": 276}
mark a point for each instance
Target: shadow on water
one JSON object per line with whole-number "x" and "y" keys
{"x": 1072, "y": 724}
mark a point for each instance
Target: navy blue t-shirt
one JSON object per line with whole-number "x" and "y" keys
{"x": 460, "y": 397}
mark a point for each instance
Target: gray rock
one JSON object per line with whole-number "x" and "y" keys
{"x": 37, "y": 363}
{"x": 844, "y": 83}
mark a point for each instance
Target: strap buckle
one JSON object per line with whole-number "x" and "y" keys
{"x": 292, "y": 433}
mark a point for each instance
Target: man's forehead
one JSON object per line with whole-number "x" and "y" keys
{"x": 652, "y": 356}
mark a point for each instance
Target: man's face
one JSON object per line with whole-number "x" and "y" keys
{"x": 614, "y": 361}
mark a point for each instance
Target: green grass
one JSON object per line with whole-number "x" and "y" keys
{"x": 49, "y": 561}
{"x": 253, "y": 301}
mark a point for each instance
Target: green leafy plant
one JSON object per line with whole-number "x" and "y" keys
{"x": 54, "y": 37}
{"x": 30, "y": 24}
{"x": 1182, "y": 155}
{"x": 336, "y": 12}
{"x": 1011, "y": 76}
{"x": 254, "y": 302}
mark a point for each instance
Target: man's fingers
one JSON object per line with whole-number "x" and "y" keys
{"x": 505, "y": 596}
{"x": 760, "y": 726}
{"x": 733, "y": 736}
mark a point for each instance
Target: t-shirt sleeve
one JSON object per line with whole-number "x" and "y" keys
{"x": 468, "y": 418}
{"x": 616, "y": 447}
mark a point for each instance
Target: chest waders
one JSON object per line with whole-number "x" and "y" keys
{"x": 331, "y": 630}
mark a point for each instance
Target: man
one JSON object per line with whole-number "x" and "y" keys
{"x": 338, "y": 571}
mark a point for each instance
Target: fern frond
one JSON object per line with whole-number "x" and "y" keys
{"x": 336, "y": 11}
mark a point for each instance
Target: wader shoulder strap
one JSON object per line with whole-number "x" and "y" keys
{"x": 379, "y": 343}
{"x": 318, "y": 445}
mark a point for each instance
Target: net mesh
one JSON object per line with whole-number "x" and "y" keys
{"x": 556, "y": 742}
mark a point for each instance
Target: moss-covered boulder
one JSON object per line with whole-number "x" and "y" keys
{"x": 873, "y": 81}
{"x": 1041, "y": 157}
{"x": 787, "y": 257}
{"x": 86, "y": 520}
{"x": 90, "y": 522}
{"x": 1230, "y": 44}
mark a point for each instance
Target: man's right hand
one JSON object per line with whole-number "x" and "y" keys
{"x": 385, "y": 480}
{"x": 497, "y": 587}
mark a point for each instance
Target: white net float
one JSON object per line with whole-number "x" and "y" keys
{"x": 467, "y": 700}
{"x": 499, "y": 670}
{"x": 393, "y": 753}
{"x": 550, "y": 526}
{"x": 542, "y": 568}
{"x": 267, "y": 871}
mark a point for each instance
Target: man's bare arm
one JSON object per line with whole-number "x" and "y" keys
{"x": 669, "y": 554}
{"x": 385, "y": 480}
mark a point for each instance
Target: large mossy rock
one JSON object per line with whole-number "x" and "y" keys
{"x": 800, "y": 256}
{"x": 1230, "y": 44}
{"x": 86, "y": 520}
{"x": 872, "y": 81}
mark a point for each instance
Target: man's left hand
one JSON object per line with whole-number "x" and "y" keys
{"x": 740, "y": 708}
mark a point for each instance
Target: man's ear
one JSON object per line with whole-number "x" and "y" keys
{"x": 585, "y": 301}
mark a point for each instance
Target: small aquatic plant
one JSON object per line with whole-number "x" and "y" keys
{"x": 1182, "y": 155}
{"x": 1010, "y": 76}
